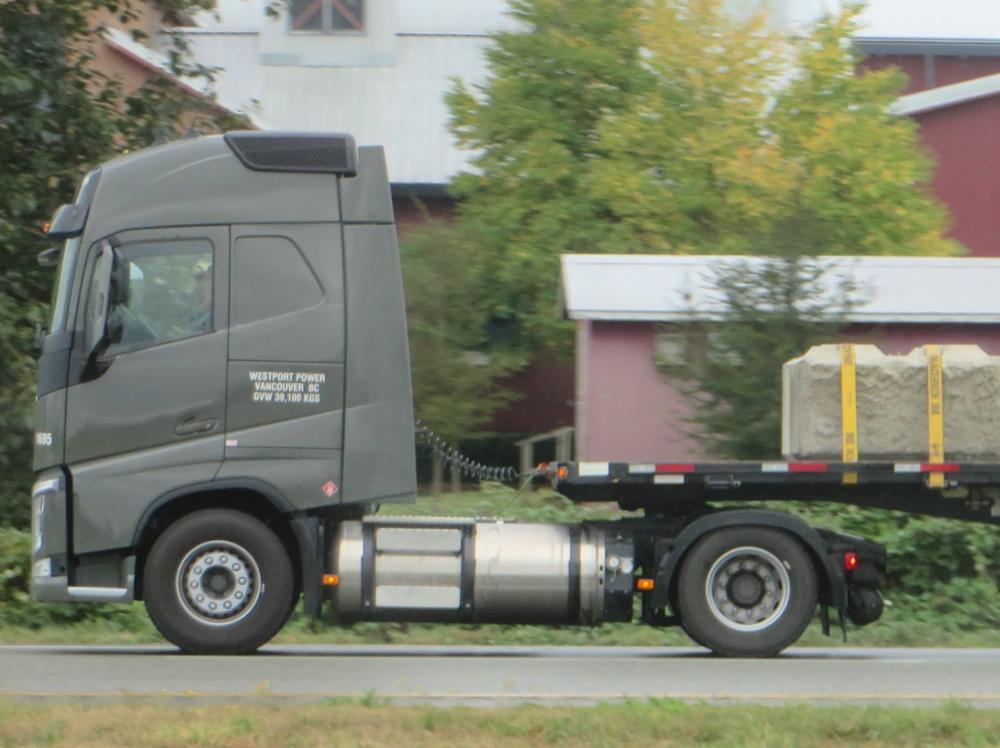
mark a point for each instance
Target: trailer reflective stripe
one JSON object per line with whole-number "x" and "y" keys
{"x": 939, "y": 467}
{"x": 592, "y": 469}
{"x": 642, "y": 468}
{"x": 935, "y": 413}
{"x": 807, "y": 467}
{"x": 669, "y": 478}
{"x": 926, "y": 467}
{"x": 774, "y": 467}
{"x": 675, "y": 467}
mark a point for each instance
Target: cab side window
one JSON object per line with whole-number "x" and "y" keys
{"x": 170, "y": 293}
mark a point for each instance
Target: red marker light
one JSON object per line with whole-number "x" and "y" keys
{"x": 850, "y": 561}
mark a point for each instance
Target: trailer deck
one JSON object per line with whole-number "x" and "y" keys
{"x": 959, "y": 490}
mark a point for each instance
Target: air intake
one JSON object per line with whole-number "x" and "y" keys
{"x": 317, "y": 153}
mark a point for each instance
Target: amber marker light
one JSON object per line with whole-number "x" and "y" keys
{"x": 46, "y": 227}
{"x": 644, "y": 584}
{"x": 563, "y": 472}
{"x": 331, "y": 580}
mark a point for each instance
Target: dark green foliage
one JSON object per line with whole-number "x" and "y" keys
{"x": 534, "y": 124}
{"x": 58, "y": 119}
{"x": 730, "y": 368}
{"x": 16, "y": 608}
{"x": 942, "y": 573}
{"x": 447, "y": 312}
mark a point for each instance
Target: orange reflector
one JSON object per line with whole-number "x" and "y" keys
{"x": 563, "y": 472}
{"x": 644, "y": 584}
{"x": 331, "y": 580}
{"x": 850, "y": 561}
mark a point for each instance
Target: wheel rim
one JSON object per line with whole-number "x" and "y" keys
{"x": 748, "y": 589}
{"x": 218, "y": 583}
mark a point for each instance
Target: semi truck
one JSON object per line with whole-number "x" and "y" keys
{"x": 224, "y": 397}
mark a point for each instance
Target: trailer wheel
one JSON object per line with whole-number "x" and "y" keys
{"x": 218, "y": 582}
{"x": 746, "y": 591}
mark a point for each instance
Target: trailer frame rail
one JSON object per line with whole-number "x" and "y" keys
{"x": 959, "y": 490}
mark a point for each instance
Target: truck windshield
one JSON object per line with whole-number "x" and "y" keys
{"x": 64, "y": 279}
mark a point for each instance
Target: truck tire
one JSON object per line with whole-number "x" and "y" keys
{"x": 746, "y": 591}
{"x": 218, "y": 582}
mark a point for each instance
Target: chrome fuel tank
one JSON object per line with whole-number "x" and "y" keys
{"x": 448, "y": 569}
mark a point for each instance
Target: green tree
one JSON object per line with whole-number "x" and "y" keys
{"x": 533, "y": 127}
{"x": 58, "y": 119}
{"x": 855, "y": 174}
{"x": 719, "y": 137}
{"x": 730, "y": 368}
{"x": 453, "y": 374}
{"x": 690, "y": 168}
{"x": 756, "y": 143}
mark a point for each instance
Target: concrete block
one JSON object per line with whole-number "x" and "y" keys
{"x": 892, "y": 405}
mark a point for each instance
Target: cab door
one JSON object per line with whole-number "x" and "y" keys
{"x": 146, "y": 412}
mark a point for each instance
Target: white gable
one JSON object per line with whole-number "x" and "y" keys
{"x": 669, "y": 288}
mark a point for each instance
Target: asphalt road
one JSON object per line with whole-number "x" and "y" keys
{"x": 502, "y": 675}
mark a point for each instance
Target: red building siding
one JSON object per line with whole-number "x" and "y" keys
{"x": 942, "y": 70}
{"x": 966, "y": 141}
{"x": 911, "y": 65}
{"x": 948, "y": 70}
{"x": 627, "y": 411}
{"x": 546, "y": 399}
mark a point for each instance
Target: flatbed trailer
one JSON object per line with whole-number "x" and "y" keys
{"x": 967, "y": 491}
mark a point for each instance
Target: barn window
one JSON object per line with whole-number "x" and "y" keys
{"x": 328, "y": 16}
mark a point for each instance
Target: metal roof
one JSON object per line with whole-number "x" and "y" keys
{"x": 672, "y": 288}
{"x": 941, "y": 47}
{"x": 946, "y": 96}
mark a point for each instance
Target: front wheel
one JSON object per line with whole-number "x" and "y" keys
{"x": 747, "y": 591}
{"x": 218, "y": 582}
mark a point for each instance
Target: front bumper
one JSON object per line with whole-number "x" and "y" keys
{"x": 49, "y": 550}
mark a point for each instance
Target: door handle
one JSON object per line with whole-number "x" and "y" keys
{"x": 186, "y": 428}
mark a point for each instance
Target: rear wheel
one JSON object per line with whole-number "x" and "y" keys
{"x": 218, "y": 582}
{"x": 746, "y": 591}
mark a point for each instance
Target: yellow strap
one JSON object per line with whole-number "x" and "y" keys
{"x": 935, "y": 413}
{"x": 849, "y": 408}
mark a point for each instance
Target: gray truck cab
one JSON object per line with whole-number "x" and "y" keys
{"x": 228, "y": 333}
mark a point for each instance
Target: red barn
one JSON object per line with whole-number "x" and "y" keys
{"x": 953, "y": 93}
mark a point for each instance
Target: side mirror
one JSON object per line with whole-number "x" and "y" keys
{"x": 49, "y": 258}
{"x": 98, "y": 298}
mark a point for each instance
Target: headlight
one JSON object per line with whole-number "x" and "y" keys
{"x": 37, "y": 509}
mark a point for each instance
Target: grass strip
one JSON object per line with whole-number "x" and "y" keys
{"x": 371, "y": 722}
